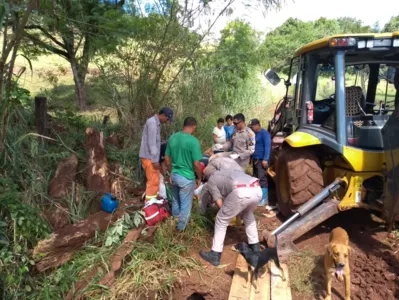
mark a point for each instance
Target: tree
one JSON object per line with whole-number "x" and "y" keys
{"x": 13, "y": 18}
{"x": 281, "y": 43}
{"x": 74, "y": 30}
{"x": 237, "y": 52}
{"x": 325, "y": 27}
{"x": 392, "y": 25}
{"x": 352, "y": 25}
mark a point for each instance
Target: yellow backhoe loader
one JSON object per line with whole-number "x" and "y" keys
{"x": 335, "y": 134}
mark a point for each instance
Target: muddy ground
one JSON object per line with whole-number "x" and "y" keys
{"x": 374, "y": 261}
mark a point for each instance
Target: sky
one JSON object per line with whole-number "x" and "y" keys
{"x": 308, "y": 10}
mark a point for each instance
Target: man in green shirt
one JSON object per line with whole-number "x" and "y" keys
{"x": 182, "y": 157}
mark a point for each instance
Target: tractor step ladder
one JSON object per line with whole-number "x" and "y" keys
{"x": 271, "y": 285}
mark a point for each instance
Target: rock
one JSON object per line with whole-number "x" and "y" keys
{"x": 373, "y": 295}
{"x": 359, "y": 263}
{"x": 61, "y": 184}
{"x": 363, "y": 283}
{"x": 355, "y": 280}
{"x": 98, "y": 179}
{"x": 388, "y": 295}
{"x": 389, "y": 276}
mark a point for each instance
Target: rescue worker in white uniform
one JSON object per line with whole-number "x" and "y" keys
{"x": 216, "y": 164}
{"x": 242, "y": 142}
{"x": 235, "y": 193}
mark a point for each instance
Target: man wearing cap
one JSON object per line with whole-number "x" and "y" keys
{"x": 260, "y": 158}
{"x": 242, "y": 142}
{"x": 150, "y": 149}
{"x": 182, "y": 157}
{"x": 234, "y": 193}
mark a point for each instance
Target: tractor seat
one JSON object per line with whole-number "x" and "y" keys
{"x": 354, "y": 101}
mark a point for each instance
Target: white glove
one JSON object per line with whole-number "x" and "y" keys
{"x": 218, "y": 147}
{"x": 234, "y": 156}
{"x": 198, "y": 190}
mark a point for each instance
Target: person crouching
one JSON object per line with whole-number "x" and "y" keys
{"x": 234, "y": 193}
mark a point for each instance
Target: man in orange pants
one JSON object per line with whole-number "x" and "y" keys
{"x": 150, "y": 150}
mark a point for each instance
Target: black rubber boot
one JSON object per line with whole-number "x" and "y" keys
{"x": 211, "y": 257}
{"x": 255, "y": 247}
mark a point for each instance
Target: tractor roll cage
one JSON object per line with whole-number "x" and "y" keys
{"x": 306, "y": 89}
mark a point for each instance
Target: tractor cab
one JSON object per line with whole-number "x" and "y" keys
{"x": 343, "y": 91}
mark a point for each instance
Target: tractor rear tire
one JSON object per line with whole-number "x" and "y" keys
{"x": 299, "y": 177}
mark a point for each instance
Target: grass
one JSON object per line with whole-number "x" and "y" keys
{"x": 155, "y": 267}
{"x": 51, "y": 76}
{"x": 151, "y": 269}
{"x": 301, "y": 265}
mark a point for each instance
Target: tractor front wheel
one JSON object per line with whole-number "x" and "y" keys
{"x": 299, "y": 178}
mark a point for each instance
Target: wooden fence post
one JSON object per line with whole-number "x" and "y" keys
{"x": 41, "y": 115}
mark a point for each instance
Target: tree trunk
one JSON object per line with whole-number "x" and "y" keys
{"x": 96, "y": 162}
{"x": 9, "y": 45}
{"x": 62, "y": 183}
{"x": 80, "y": 91}
{"x": 41, "y": 115}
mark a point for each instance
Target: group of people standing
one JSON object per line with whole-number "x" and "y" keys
{"x": 182, "y": 159}
{"x": 222, "y": 133}
{"x": 227, "y": 186}
{"x": 247, "y": 144}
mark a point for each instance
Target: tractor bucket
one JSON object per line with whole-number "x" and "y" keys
{"x": 391, "y": 149}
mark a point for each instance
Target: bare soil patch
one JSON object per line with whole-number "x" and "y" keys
{"x": 374, "y": 260}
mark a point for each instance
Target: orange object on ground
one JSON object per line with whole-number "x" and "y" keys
{"x": 153, "y": 179}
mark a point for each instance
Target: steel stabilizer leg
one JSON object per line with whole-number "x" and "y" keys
{"x": 289, "y": 231}
{"x": 286, "y": 239}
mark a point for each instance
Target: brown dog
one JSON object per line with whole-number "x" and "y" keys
{"x": 336, "y": 261}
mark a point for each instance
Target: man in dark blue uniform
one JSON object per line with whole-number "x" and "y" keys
{"x": 261, "y": 157}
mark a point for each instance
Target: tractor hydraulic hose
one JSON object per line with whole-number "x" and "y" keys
{"x": 327, "y": 191}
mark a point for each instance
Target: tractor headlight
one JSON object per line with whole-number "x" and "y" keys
{"x": 343, "y": 42}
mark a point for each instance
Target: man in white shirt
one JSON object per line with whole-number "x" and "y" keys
{"x": 218, "y": 136}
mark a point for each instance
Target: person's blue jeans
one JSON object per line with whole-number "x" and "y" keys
{"x": 182, "y": 199}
